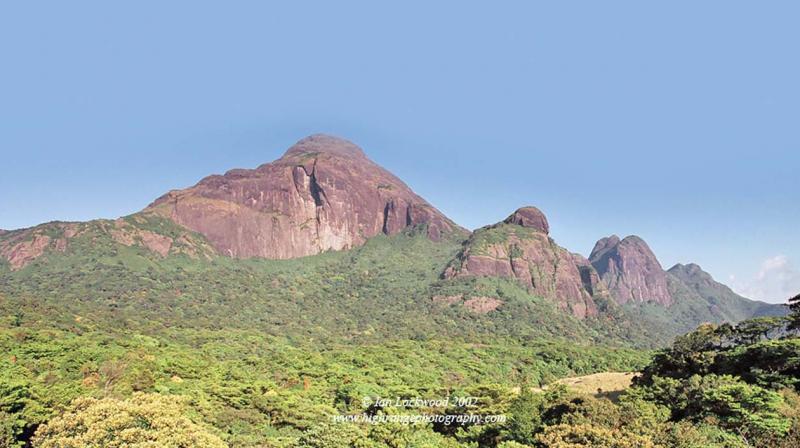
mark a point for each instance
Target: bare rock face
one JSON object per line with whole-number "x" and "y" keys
{"x": 520, "y": 248}
{"x": 128, "y": 235}
{"x": 21, "y": 247}
{"x": 477, "y": 304}
{"x": 482, "y": 305}
{"x": 323, "y": 194}
{"x": 530, "y": 217}
{"x": 24, "y": 252}
{"x": 631, "y": 270}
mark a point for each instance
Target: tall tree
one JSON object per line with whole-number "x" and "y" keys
{"x": 794, "y": 318}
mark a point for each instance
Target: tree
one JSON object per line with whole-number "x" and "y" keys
{"x": 525, "y": 417}
{"x": 753, "y": 330}
{"x": 142, "y": 421}
{"x": 332, "y": 435}
{"x": 591, "y": 436}
{"x": 773, "y": 364}
{"x": 794, "y": 309}
{"x": 726, "y": 400}
{"x": 691, "y": 354}
{"x": 511, "y": 444}
{"x": 746, "y": 409}
{"x": 20, "y": 405}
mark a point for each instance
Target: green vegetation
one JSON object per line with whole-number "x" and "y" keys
{"x": 499, "y": 234}
{"x": 719, "y": 386}
{"x": 142, "y": 421}
{"x": 258, "y": 353}
{"x": 252, "y": 387}
{"x": 379, "y": 291}
{"x": 794, "y": 306}
{"x": 712, "y": 388}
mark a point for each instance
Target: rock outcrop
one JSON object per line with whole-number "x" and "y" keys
{"x": 476, "y": 304}
{"x": 323, "y": 194}
{"x": 21, "y": 247}
{"x": 160, "y": 236}
{"x": 530, "y": 217}
{"x": 630, "y": 270}
{"x": 482, "y": 305}
{"x": 520, "y": 248}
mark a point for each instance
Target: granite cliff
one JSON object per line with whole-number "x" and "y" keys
{"x": 630, "y": 270}
{"x": 323, "y": 194}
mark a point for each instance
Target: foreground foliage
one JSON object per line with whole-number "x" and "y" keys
{"x": 253, "y": 387}
{"x": 233, "y": 388}
{"x": 142, "y": 421}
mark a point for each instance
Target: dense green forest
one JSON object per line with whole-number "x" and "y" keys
{"x": 112, "y": 345}
{"x": 720, "y": 386}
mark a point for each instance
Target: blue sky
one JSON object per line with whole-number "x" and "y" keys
{"x": 676, "y": 121}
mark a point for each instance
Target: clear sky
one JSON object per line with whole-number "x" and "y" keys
{"x": 677, "y": 121}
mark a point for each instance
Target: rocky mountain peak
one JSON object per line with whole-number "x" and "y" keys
{"x": 631, "y": 270}
{"x": 530, "y": 217}
{"x": 520, "y": 248}
{"x": 604, "y": 244}
{"x": 323, "y": 194}
{"x": 324, "y": 144}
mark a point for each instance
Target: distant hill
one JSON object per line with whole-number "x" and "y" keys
{"x": 722, "y": 301}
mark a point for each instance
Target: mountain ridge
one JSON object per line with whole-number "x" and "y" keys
{"x": 506, "y": 272}
{"x": 721, "y": 298}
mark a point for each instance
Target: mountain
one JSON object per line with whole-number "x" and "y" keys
{"x": 323, "y": 194}
{"x": 665, "y": 301}
{"x": 630, "y": 270}
{"x": 722, "y": 301}
{"x": 325, "y": 233}
{"x": 697, "y": 299}
{"x": 520, "y": 248}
